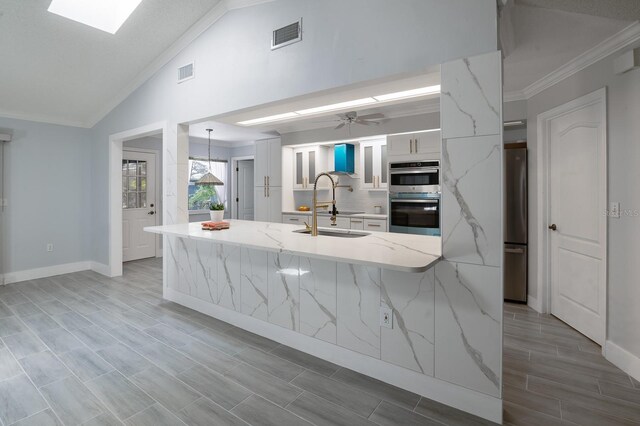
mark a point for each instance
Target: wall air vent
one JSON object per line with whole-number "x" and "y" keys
{"x": 186, "y": 72}
{"x": 287, "y": 35}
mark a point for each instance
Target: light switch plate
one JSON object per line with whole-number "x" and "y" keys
{"x": 614, "y": 209}
{"x": 386, "y": 317}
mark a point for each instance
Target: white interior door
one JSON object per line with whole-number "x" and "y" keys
{"x": 138, "y": 204}
{"x": 577, "y": 220}
{"x": 244, "y": 185}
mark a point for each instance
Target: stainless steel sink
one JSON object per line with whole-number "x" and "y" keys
{"x": 341, "y": 233}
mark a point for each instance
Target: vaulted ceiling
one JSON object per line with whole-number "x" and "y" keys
{"x": 57, "y": 70}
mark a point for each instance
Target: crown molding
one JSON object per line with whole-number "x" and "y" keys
{"x": 514, "y": 95}
{"x": 616, "y": 42}
{"x": 36, "y": 118}
{"x": 217, "y": 12}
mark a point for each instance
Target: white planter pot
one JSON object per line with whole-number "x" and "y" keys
{"x": 216, "y": 215}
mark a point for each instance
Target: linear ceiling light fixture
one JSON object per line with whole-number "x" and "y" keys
{"x": 334, "y": 107}
{"x": 105, "y": 15}
{"x": 268, "y": 119}
{"x": 406, "y": 94}
{"x": 422, "y": 91}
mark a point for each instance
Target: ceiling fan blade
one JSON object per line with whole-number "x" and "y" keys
{"x": 340, "y": 126}
{"x": 366, "y": 123}
{"x": 371, "y": 116}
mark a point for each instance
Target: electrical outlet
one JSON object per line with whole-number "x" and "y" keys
{"x": 386, "y": 317}
{"x": 50, "y": 247}
{"x": 614, "y": 209}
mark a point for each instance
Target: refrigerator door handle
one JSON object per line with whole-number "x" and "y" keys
{"x": 514, "y": 250}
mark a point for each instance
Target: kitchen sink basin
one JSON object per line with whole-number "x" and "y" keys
{"x": 341, "y": 233}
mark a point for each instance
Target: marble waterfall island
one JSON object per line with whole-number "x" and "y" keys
{"x": 323, "y": 295}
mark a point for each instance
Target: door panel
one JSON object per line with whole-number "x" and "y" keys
{"x": 138, "y": 205}
{"x": 577, "y": 182}
{"x": 245, "y": 193}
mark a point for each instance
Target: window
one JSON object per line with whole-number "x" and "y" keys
{"x": 134, "y": 184}
{"x": 200, "y": 196}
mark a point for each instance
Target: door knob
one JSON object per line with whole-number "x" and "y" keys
{"x": 151, "y": 212}
{"x": 553, "y": 227}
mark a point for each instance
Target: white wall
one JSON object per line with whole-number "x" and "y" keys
{"x": 344, "y": 43}
{"x": 48, "y": 187}
{"x": 623, "y": 109}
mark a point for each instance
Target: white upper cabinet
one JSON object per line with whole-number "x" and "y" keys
{"x": 307, "y": 163}
{"x": 268, "y": 163}
{"x": 373, "y": 164}
{"x": 422, "y": 145}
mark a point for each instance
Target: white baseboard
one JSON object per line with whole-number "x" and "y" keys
{"x": 101, "y": 269}
{"x": 534, "y": 303}
{"x": 477, "y": 403}
{"x": 623, "y": 359}
{"x": 47, "y": 271}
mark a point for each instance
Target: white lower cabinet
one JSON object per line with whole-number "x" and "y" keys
{"x": 357, "y": 223}
{"x": 375, "y": 225}
{"x": 341, "y": 222}
{"x": 296, "y": 219}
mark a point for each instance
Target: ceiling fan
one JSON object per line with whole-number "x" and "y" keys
{"x": 352, "y": 117}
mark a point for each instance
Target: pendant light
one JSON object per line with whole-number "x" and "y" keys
{"x": 208, "y": 178}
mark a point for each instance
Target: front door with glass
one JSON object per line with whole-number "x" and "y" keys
{"x": 138, "y": 205}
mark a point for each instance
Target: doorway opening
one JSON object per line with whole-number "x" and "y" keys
{"x": 141, "y": 197}
{"x": 135, "y": 174}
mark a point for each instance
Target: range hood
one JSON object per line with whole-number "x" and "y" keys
{"x": 343, "y": 160}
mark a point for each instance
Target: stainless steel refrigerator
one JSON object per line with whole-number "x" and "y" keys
{"x": 516, "y": 222}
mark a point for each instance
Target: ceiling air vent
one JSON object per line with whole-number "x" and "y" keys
{"x": 186, "y": 72}
{"x": 287, "y": 35}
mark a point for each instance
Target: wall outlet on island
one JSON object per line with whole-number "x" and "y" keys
{"x": 386, "y": 317}
{"x": 50, "y": 247}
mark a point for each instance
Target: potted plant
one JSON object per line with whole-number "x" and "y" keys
{"x": 216, "y": 210}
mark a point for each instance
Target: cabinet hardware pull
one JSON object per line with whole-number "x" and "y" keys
{"x": 268, "y": 192}
{"x": 374, "y": 225}
{"x": 294, "y": 219}
{"x": 356, "y": 221}
{"x": 264, "y": 189}
{"x": 264, "y": 180}
{"x": 268, "y": 180}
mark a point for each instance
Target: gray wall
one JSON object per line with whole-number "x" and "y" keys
{"x": 345, "y": 43}
{"x": 48, "y": 187}
{"x": 623, "y": 110}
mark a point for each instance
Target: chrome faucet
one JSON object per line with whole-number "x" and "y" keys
{"x": 332, "y": 203}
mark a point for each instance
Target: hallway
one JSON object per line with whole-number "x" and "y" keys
{"x": 554, "y": 375}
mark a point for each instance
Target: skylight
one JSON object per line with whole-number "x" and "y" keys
{"x": 105, "y": 15}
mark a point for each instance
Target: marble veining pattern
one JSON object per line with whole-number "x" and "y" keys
{"x": 471, "y": 96}
{"x": 228, "y": 265}
{"x": 171, "y": 260}
{"x": 206, "y": 272}
{"x": 469, "y": 325}
{"x": 284, "y": 290}
{"x": 471, "y": 178}
{"x": 187, "y": 265}
{"x": 358, "y": 289}
{"x": 410, "y": 343}
{"x": 318, "y": 299}
{"x": 253, "y": 278}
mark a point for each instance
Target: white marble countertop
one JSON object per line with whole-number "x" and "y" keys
{"x": 358, "y": 215}
{"x": 400, "y": 252}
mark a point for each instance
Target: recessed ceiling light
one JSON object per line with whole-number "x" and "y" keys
{"x": 409, "y": 93}
{"x": 268, "y": 119}
{"x": 341, "y": 105}
{"x": 105, "y": 15}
